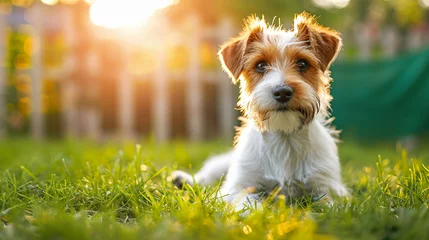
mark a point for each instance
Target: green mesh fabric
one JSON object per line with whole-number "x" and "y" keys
{"x": 382, "y": 98}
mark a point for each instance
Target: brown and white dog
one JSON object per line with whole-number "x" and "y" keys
{"x": 285, "y": 140}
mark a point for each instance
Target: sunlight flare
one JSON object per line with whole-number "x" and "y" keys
{"x": 125, "y": 13}
{"x": 50, "y": 2}
{"x": 331, "y": 3}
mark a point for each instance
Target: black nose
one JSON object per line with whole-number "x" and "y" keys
{"x": 282, "y": 93}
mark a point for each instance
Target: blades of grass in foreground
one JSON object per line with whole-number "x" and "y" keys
{"x": 73, "y": 190}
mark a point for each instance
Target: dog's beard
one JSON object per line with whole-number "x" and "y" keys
{"x": 284, "y": 119}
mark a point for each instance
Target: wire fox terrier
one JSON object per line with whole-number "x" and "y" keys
{"x": 285, "y": 141}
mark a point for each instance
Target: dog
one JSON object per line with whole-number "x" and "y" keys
{"x": 286, "y": 141}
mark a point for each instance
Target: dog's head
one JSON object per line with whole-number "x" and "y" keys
{"x": 284, "y": 75}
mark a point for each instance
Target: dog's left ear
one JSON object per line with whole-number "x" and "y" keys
{"x": 324, "y": 42}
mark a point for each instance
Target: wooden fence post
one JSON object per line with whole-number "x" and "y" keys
{"x": 68, "y": 88}
{"x": 363, "y": 35}
{"x": 390, "y": 41}
{"x": 87, "y": 86}
{"x": 226, "y": 102}
{"x": 69, "y": 112}
{"x": 195, "y": 101}
{"x": 2, "y": 76}
{"x": 92, "y": 118}
{"x": 161, "y": 99}
{"x": 37, "y": 123}
{"x": 415, "y": 37}
{"x": 126, "y": 93}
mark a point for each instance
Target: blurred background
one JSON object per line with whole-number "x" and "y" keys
{"x": 126, "y": 69}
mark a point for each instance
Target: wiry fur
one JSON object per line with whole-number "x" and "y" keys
{"x": 287, "y": 145}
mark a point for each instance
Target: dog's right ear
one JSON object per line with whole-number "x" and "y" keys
{"x": 232, "y": 53}
{"x": 231, "y": 56}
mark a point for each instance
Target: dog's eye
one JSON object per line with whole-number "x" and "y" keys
{"x": 302, "y": 65}
{"x": 261, "y": 67}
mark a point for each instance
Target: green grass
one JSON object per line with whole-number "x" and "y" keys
{"x": 83, "y": 190}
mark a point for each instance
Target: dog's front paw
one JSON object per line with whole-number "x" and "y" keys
{"x": 181, "y": 177}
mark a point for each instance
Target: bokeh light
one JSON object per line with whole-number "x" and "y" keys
{"x": 22, "y": 3}
{"x": 331, "y": 3}
{"x": 50, "y": 2}
{"x": 22, "y": 61}
{"x": 5, "y": 8}
{"x": 424, "y": 3}
{"x": 69, "y": 1}
{"x": 126, "y": 13}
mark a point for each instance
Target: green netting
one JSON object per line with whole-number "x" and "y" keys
{"x": 382, "y": 98}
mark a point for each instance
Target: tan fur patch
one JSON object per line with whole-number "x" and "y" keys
{"x": 324, "y": 41}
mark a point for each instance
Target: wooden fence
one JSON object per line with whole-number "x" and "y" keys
{"x": 79, "y": 76}
{"x": 83, "y": 74}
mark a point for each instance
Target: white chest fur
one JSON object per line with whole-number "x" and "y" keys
{"x": 263, "y": 161}
{"x": 286, "y": 158}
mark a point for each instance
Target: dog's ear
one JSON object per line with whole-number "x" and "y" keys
{"x": 324, "y": 42}
{"x": 231, "y": 57}
{"x": 232, "y": 53}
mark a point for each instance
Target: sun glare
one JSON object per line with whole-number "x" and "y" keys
{"x": 424, "y": 3}
{"x": 50, "y": 2}
{"x": 125, "y": 13}
{"x": 332, "y": 3}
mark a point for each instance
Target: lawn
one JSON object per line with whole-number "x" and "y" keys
{"x": 82, "y": 190}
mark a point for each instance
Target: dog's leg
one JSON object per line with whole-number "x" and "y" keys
{"x": 338, "y": 189}
{"x": 214, "y": 168}
{"x": 244, "y": 202}
{"x": 329, "y": 190}
{"x": 242, "y": 187}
